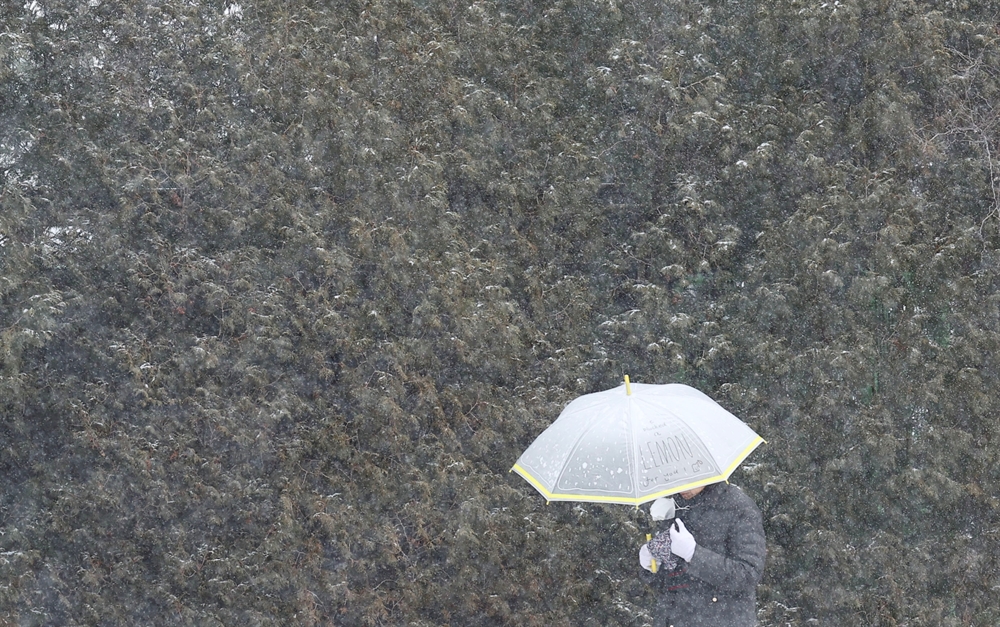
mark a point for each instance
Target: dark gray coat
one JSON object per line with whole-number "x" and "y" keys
{"x": 718, "y": 588}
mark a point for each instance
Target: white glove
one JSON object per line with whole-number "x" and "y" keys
{"x": 682, "y": 543}
{"x": 646, "y": 558}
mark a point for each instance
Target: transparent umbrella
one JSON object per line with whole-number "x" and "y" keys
{"x": 635, "y": 443}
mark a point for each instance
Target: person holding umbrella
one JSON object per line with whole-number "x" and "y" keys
{"x": 639, "y": 442}
{"x": 710, "y": 562}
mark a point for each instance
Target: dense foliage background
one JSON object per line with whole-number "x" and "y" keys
{"x": 287, "y": 287}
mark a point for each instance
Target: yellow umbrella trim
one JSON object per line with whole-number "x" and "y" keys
{"x": 595, "y": 498}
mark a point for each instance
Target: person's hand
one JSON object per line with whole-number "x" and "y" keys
{"x": 681, "y": 541}
{"x": 646, "y": 558}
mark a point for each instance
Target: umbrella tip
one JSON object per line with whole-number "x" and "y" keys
{"x": 628, "y": 386}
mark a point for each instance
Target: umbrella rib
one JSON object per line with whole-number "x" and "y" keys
{"x": 630, "y": 450}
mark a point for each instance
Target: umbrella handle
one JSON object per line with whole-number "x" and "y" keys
{"x": 652, "y": 560}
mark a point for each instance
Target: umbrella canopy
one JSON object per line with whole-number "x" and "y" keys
{"x": 635, "y": 443}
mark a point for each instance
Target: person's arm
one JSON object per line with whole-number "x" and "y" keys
{"x": 743, "y": 567}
